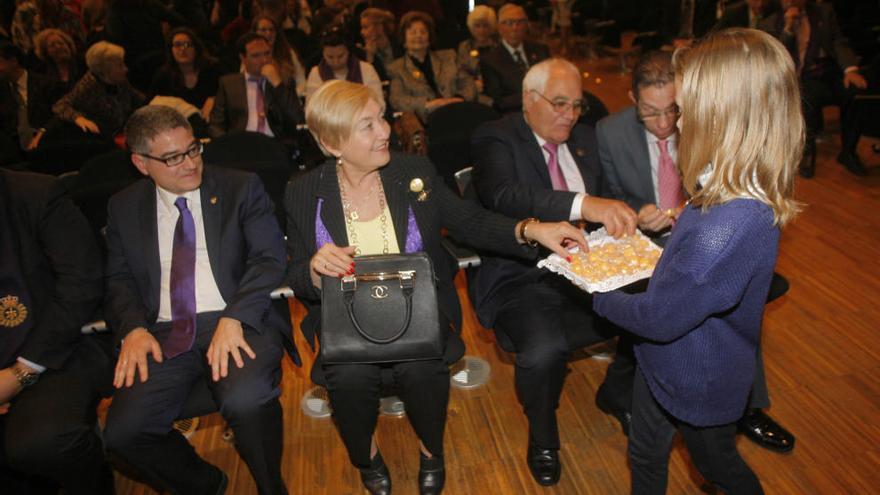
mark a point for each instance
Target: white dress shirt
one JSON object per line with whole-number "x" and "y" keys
{"x": 654, "y": 155}
{"x": 208, "y": 296}
{"x": 572, "y": 174}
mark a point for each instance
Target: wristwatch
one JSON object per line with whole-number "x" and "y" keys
{"x": 25, "y": 378}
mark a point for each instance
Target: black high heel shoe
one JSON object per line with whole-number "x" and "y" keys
{"x": 376, "y": 478}
{"x": 432, "y": 474}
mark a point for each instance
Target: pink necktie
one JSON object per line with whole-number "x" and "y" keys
{"x": 668, "y": 180}
{"x": 556, "y": 176}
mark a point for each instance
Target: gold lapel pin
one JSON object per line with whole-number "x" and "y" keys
{"x": 580, "y": 152}
{"x": 213, "y": 200}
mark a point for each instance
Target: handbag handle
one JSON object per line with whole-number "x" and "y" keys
{"x": 349, "y": 286}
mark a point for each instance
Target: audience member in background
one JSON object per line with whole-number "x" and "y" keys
{"x": 425, "y": 79}
{"x": 60, "y": 61}
{"x": 560, "y": 21}
{"x": 698, "y": 323}
{"x": 51, "y": 375}
{"x": 257, "y": 99}
{"x": 829, "y": 75}
{"x": 750, "y": 14}
{"x": 33, "y": 16}
{"x": 94, "y": 18}
{"x": 284, "y": 58}
{"x": 25, "y": 105}
{"x": 334, "y": 215}
{"x": 542, "y": 163}
{"x": 189, "y": 73}
{"x": 103, "y": 99}
{"x": 481, "y": 23}
{"x": 193, "y": 254}
{"x": 377, "y": 28}
{"x": 504, "y": 66}
{"x": 638, "y": 148}
{"x": 337, "y": 62}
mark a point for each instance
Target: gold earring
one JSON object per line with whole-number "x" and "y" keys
{"x": 339, "y": 161}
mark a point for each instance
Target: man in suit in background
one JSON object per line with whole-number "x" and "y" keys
{"x": 541, "y": 163}
{"x": 193, "y": 255}
{"x": 25, "y": 100}
{"x": 750, "y": 14}
{"x": 51, "y": 376}
{"x": 829, "y": 74}
{"x": 504, "y": 66}
{"x": 638, "y": 151}
{"x": 257, "y": 99}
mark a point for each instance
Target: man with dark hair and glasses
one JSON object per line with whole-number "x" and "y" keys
{"x": 193, "y": 255}
{"x": 638, "y": 152}
{"x": 541, "y": 163}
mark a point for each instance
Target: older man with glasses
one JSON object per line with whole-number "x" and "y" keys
{"x": 541, "y": 163}
{"x": 193, "y": 255}
{"x": 638, "y": 150}
{"x": 504, "y": 65}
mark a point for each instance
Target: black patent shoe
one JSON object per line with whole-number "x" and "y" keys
{"x": 544, "y": 465}
{"x": 432, "y": 474}
{"x": 760, "y": 428}
{"x": 376, "y": 478}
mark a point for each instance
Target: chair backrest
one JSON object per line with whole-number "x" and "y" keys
{"x": 449, "y": 130}
{"x": 596, "y": 110}
{"x": 100, "y": 178}
{"x": 65, "y": 148}
{"x": 463, "y": 179}
{"x": 257, "y": 153}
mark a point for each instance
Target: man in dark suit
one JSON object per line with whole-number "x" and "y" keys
{"x": 193, "y": 255}
{"x": 25, "y": 100}
{"x": 504, "y": 66}
{"x": 51, "y": 376}
{"x": 258, "y": 99}
{"x": 829, "y": 74}
{"x": 750, "y": 14}
{"x": 541, "y": 163}
{"x": 636, "y": 145}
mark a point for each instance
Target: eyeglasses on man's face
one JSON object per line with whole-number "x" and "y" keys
{"x": 182, "y": 44}
{"x": 564, "y": 105}
{"x": 193, "y": 152}
{"x": 653, "y": 114}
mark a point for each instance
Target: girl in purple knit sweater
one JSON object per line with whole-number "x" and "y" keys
{"x": 700, "y": 319}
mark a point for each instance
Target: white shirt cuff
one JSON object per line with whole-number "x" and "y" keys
{"x": 575, "y": 214}
{"x": 36, "y": 367}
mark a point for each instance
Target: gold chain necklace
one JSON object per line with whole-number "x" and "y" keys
{"x": 351, "y": 214}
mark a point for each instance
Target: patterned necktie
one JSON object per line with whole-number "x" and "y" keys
{"x": 261, "y": 104}
{"x": 519, "y": 59}
{"x": 668, "y": 181}
{"x": 183, "y": 285}
{"x": 556, "y": 176}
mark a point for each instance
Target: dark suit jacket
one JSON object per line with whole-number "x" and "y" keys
{"x": 825, "y": 35}
{"x": 738, "y": 16}
{"x": 40, "y": 93}
{"x": 502, "y": 77}
{"x": 626, "y": 164}
{"x": 510, "y": 176}
{"x": 465, "y": 220}
{"x": 59, "y": 262}
{"x": 245, "y": 247}
{"x": 230, "y": 112}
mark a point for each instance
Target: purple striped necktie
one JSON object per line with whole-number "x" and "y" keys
{"x": 183, "y": 285}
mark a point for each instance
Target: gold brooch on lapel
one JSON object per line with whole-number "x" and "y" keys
{"x": 213, "y": 200}
{"x": 418, "y": 186}
{"x": 580, "y": 152}
{"x": 475, "y": 53}
{"x": 417, "y": 74}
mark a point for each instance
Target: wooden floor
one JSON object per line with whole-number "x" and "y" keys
{"x": 822, "y": 355}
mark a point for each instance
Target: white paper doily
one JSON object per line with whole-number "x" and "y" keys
{"x": 599, "y": 237}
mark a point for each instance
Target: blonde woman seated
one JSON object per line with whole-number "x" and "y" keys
{"x": 423, "y": 80}
{"x": 364, "y": 201}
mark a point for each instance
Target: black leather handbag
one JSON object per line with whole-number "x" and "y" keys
{"x": 385, "y": 312}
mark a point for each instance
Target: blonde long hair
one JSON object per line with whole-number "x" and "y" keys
{"x": 741, "y": 115}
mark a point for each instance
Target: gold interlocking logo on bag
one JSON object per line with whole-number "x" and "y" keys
{"x": 12, "y": 312}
